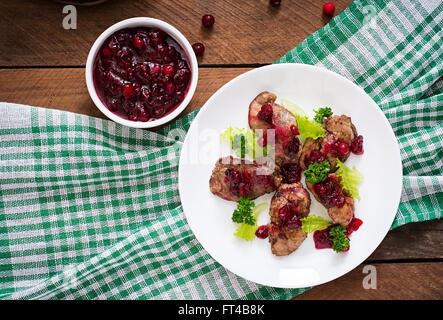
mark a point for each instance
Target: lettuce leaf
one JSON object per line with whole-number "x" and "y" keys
{"x": 350, "y": 179}
{"x": 247, "y": 231}
{"x": 312, "y": 223}
{"x": 243, "y": 142}
{"x": 307, "y": 128}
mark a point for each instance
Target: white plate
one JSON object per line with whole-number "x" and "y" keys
{"x": 210, "y": 217}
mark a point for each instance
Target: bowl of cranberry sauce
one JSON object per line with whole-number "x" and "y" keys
{"x": 141, "y": 72}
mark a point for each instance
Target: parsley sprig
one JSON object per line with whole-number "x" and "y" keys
{"x": 322, "y": 113}
{"x": 243, "y": 213}
{"x": 317, "y": 172}
{"x": 341, "y": 242}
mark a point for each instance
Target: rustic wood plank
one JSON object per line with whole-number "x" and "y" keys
{"x": 413, "y": 241}
{"x": 420, "y": 281}
{"x": 245, "y": 32}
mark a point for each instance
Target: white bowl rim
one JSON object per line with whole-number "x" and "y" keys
{"x": 142, "y": 22}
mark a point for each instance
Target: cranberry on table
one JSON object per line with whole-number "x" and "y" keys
{"x": 141, "y": 74}
{"x": 275, "y": 3}
{"x": 262, "y": 232}
{"x": 198, "y": 48}
{"x": 208, "y": 20}
{"x": 329, "y": 8}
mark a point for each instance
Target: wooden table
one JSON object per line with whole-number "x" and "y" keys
{"x": 42, "y": 64}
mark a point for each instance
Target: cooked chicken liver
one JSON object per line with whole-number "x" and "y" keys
{"x": 234, "y": 177}
{"x": 290, "y": 203}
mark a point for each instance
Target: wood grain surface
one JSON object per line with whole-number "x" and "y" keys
{"x": 245, "y": 32}
{"x": 41, "y": 64}
{"x": 417, "y": 281}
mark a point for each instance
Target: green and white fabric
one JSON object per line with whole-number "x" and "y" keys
{"x": 90, "y": 209}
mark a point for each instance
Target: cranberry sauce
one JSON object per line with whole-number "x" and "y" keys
{"x": 240, "y": 183}
{"x": 357, "y": 145}
{"x": 330, "y": 192}
{"x": 291, "y": 172}
{"x": 262, "y": 232}
{"x": 290, "y": 216}
{"x": 286, "y": 136}
{"x": 323, "y": 240}
{"x": 141, "y": 74}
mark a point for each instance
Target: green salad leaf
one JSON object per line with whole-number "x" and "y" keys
{"x": 322, "y": 113}
{"x": 350, "y": 179}
{"x": 247, "y": 231}
{"x": 307, "y": 128}
{"x": 312, "y": 223}
{"x": 317, "y": 172}
{"x": 243, "y": 142}
{"x": 341, "y": 242}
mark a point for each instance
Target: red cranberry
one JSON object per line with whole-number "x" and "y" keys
{"x": 357, "y": 145}
{"x": 328, "y": 8}
{"x": 294, "y": 130}
{"x": 138, "y": 43}
{"x": 208, "y": 20}
{"x": 198, "y": 48}
{"x": 266, "y": 112}
{"x": 155, "y": 70}
{"x": 262, "y": 232}
{"x": 275, "y": 3}
{"x": 343, "y": 148}
{"x": 168, "y": 70}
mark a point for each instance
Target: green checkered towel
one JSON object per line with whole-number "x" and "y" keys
{"x": 90, "y": 209}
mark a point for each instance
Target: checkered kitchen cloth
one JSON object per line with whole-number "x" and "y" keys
{"x": 90, "y": 209}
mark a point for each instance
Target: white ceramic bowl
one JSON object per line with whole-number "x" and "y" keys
{"x": 134, "y": 23}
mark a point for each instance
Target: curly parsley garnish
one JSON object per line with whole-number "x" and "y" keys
{"x": 341, "y": 242}
{"x": 322, "y": 113}
{"x": 243, "y": 213}
{"x": 317, "y": 172}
